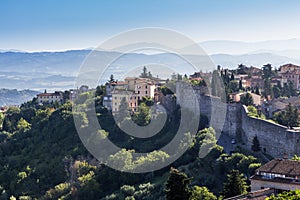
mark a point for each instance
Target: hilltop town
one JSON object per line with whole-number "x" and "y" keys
{"x": 269, "y": 90}
{"x": 260, "y": 120}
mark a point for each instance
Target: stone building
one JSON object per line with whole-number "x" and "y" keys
{"x": 278, "y": 174}
{"x": 50, "y": 97}
{"x": 290, "y": 72}
{"x": 132, "y": 89}
{"x": 130, "y": 97}
{"x": 109, "y": 87}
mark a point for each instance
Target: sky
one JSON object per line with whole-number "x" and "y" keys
{"x": 57, "y": 25}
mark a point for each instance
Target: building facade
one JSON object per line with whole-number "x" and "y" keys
{"x": 290, "y": 72}
{"x": 278, "y": 174}
{"x": 50, "y": 97}
{"x": 132, "y": 89}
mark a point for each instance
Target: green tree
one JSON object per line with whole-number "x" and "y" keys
{"x": 295, "y": 157}
{"x": 289, "y": 117}
{"x": 241, "y": 69}
{"x": 143, "y": 116}
{"x": 121, "y": 160}
{"x": 42, "y": 115}
{"x": 13, "y": 110}
{"x": 217, "y": 85}
{"x": 111, "y": 79}
{"x": 288, "y": 89}
{"x": 165, "y": 90}
{"x": 234, "y": 185}
{"x": 100, "y": 90}
{"x": 201, "y": 193}
{"x": 145, "y": 73}
{"x": 291, "y": 195}
{"x": 127, "y": 190}
{"x": 291, "y": 88}
{"x": 177, "y": 187}
{"x": 267, "y": 71}
{"x": 247, "y": 99}
{"x": 257, "y": 90}
{"x": 292, "y": 115}
{"x": 267, "y": 88}
{"x": 231, "y": 77}
{"x": 255, "y": 144}
{"x": 276, "y": 92}
{"x": 23, "y": 125}
{"x": 147, "y": 100}
{"x": 11, "y": 119}
{"x": 240, "y": 84}
{"x": 1, "y": 119}
{"x": 233, "y": 86}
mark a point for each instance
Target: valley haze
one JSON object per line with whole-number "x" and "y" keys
{"x": 57, "y": 70}
{"x": 24, "y": 74}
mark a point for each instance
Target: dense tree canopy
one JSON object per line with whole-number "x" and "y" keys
{"x": 43, "y": 157}
{"x": 289, "y": 117}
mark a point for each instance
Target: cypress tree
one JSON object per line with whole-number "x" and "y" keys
{"x": 255, "y": 144}
{"x": 177, "y": 187}
{"x": 240, "y": 84}
{"x": 234, "y": 185}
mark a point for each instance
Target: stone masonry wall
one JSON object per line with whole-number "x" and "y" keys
{"x": 275, "y": 140}
{"x": 259, "y": 184}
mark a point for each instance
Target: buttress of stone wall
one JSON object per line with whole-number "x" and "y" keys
{"x": 212, "y": 107}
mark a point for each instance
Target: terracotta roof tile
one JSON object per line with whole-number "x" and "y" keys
{"x": 281, "y": 166}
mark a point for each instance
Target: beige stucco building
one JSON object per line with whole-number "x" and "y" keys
{"x": 133, "y": 90}
{"x": 50, "y": 97}
{"x": 290, "y": 72}
{"x": 278, "y": 174}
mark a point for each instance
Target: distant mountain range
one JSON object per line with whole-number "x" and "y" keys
{"x": 58, "y": 70}
{"x": 15, "y": 97}
{"x": 289, "y": 48}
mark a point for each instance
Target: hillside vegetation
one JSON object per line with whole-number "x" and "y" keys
{"x": 43, "y": 157}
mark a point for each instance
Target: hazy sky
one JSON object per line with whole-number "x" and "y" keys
{"x": 36, "y": 25}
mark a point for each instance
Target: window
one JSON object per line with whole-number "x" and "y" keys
{"x": 138, "y": 92}
{"x": 146, "y": 86}
{"x": 146, "y": 92}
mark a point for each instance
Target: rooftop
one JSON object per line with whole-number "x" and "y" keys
{"x": 49, "y": 94}
{"x": 257, "y": 195}
{"x": 281, "y": 166}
